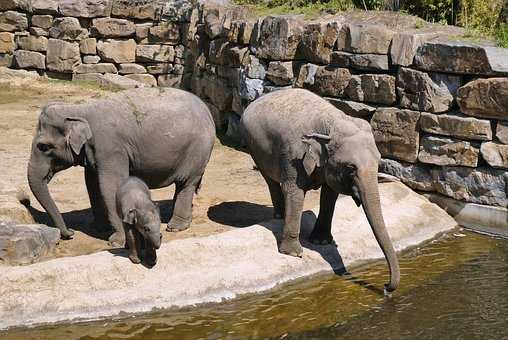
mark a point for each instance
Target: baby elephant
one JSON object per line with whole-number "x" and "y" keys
{"x": 141, "y": 221}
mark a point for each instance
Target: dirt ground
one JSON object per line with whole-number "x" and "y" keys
{"x": 233, "y": 194}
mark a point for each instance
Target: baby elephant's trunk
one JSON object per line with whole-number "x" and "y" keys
{"x": 155, "y": 239}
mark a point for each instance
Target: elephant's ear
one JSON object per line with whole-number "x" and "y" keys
{"x": 77, "y": 133}
{"x": 130, "y": 217}
{"x": 315, "y": 155}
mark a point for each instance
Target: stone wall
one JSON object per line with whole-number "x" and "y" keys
{"x": 438, "y": 104}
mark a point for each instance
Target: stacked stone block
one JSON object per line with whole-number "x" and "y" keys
{"x": 139, "y": 40}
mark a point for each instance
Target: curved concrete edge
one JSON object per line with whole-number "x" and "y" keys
{"x": 208, "y": 269}
{"x": 477, "y": 217}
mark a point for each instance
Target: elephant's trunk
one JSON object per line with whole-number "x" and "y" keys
{"x": 39, "y": 174}
{"x": 369, "y": 193}
{"x": 155, "y": 239}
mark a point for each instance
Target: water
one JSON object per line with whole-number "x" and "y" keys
{"x": 452, "y": 288}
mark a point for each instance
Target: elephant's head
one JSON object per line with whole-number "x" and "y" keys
{"x": 350, "y": 167}
{"x": 147, "y": 222}
{"x": 60, "y": 142}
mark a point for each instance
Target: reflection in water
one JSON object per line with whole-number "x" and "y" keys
{"x": 456, "y": 287}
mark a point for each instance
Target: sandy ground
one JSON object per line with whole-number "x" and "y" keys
{"x": 233, "y": 194}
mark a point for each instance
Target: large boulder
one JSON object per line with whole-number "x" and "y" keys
{"x": 68, "y": 29}
{"x": 22, "y": 244}
{"x": 22, "y": 5}
{"x": 62, "y": 56}
{"x": 318, "y": 41}
{"x": 85, "y": 8}
{"x": 45, "y": 6}
{"x": 280, "y": 73}
{"x": 448, "y": 151}
{"x": 11, "y": 21}
{"x": 365, "y": 38}
{"x": 42, "y": 21}
{"x": 431, "y": 92}
{"x": 502, "y": 132}
{"x": 29, "y": 59}
{"x": 485, "y": 98}
{"x": 96, "y": 68}
{"x": 363, "y": 62}
{"x": 406, "y": 44}
{"x": 354, "y": 109}
{"x": 131, "y": 69}
{"x": 372, "y": 88}
{"x": 155, "y": 53}
{"x": 255, "y": 68}
{"x": 324, "y": 80}
{"x": 396, "y": 133}
{"x": 164, "y": 33}
{"x": 117, "y": 82}
{"x": 117, "y": 51}
{"x": 7, "y": 44}
{"x": 456, "y": 125}
{"x": 113, "y": 28}
{"x": 462, "y": 58}
{"x": 496, "y": 155}
{"x": 482, "y": 185}
{"x": 33, "y": 43}
{"x": 136, "y": 9}
{"x": 279, "y": 37}
{"x": 88, "y": 46}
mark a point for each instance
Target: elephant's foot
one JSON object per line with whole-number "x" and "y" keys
{"x": 291, "y": 246}
{"x": 66, "y": 234}
{"x": 178, "y": 224}
{"x": 321, "y": 238}
{"x": 150, "y": 257}
{"x": 134, "y": 259}
{"x": 117, "y": 239}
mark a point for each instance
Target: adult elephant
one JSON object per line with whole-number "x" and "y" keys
{"x": 301, "y": 142}
{"x": 161, "y": 136}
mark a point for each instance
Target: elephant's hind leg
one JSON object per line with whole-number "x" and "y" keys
{"x": 182, "y": 206}
{"x": 293, "y": 201}
{"x": 322, "y": 233}
{"x": 277, "y": 197}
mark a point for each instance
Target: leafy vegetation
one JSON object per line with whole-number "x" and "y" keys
{"x": 481, "y": 18}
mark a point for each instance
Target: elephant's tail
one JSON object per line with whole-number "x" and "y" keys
{"x": 198, "y": 187}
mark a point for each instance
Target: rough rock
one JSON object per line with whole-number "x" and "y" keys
{"x": 481, "y": 185}
{"x": 165, "y": 33}
{"x": 42, "y": 21}
{"x": 160, "y": 68}
{"x": 170, "y": 80}
{"x": 39, "y": 32}
{"x": 219, "y": 94}
{"x": 496, "y": 155}
{"x": 462, "y": 57}
{"x": 68, "y": 29}
{"x": 324, "y": 80}
{"x": 396, "y": 133}
{"x": 279, "y": 37}
{"x": 234, "y": 130}
{"x": 485, "y": 98}
{"x": 318, "y": 41}
{"x": 87, "y": 77}
{"x": 85, "y": 8}
{"x": 155, "y": 53}
{"x": 118, "y": 82}
{"x": 502, "y": 132}
{"x": 12, "y": 21}
{"x": 22, "y": 244}
{"x": 142, "y": 31}
{"x": 22, "y": 5}
{"x": 241, "y": 31}
{"x": 354, "y": 109}
{"x": 117, "y": 51}
{"x": 6, "y": 60}
{"x": 255, "y": 68}
{"x": 113, "y": 28}
{"x": 91, "y": 59}
{"x": 7, "y": 44}
{"x": 244, "y": 260}
{"x": 431, "y": 92}
{"x": 447, "y": 151}
{"x": 88, "y": 46}
{"x": 367, "y": 38}
{"x": 364, "y": 62}
{"x": 251, "y": 89}
{"x": 131, "y": 69}
{"x": 280, "y": 73}
{"x": 96, "y": 68}
{"x": 146, "y": 79}
{"x": 406, "y": 44}
{"x": 45, "y": 6}
{"x": 28, "y": 59}
{"x": 62, "y": 56}
{"x": 136, "y": 9}
{"x": 456, "y": 125}
{"x": 33, "y": 43}
{"x": 372, "y": 88}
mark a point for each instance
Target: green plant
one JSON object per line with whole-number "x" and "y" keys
{"x": 502, "y": 35}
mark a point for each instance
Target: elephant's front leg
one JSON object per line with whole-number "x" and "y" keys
{"x": 109, "y": 181}
{"x": 94, "y": 194}
{"x": 293, "y": 206}
{"x": 182, "y": 207}
{"x": 322, "y": 233}
{"x": 133, "y": 242}
{"x": 277, "y": 197}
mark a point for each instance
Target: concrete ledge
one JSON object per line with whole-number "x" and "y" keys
{"x": 207, "y": 269}
{"x": 477, "y": 217}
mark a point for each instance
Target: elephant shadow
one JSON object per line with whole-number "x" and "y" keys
{"x": 240, "y": 214}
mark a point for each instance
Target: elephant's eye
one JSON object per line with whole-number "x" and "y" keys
{"x": 350, "y": 169}
{"x": 44, "y": 147}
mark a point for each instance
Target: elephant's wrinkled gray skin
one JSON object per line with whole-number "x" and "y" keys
{"x": 160, "y": 136}
{"x": 301, "y": 142}
{"x": 141, "y": 221}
